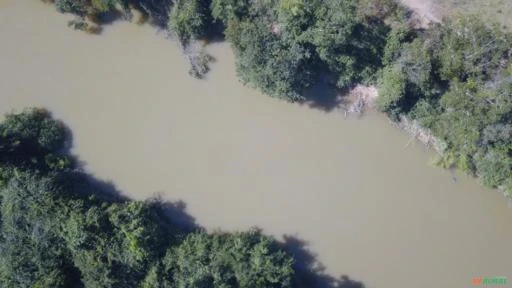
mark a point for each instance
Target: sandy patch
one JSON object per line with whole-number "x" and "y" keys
{"x": 424, "y": 11}
{"x": 360, "y": 98}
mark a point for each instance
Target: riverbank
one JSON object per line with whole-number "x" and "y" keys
{"x": 411, "y": 62}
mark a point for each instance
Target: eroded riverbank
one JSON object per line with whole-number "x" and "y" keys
{"x": 370, "y": 208}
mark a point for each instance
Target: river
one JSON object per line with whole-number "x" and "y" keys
{"x": 367, "y": 206}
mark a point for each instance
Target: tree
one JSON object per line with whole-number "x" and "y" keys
{"x": 189, "y": 19}
{"x": 33, "y": 138}
{"x": 79, "y": 7}
{"x": 245, "y": 259}
{"x": 392, "y": 91}
{"x": 495, "y": 168}
{"x": 331, "y": 33}
{"x": 31, "y": 253}
{"x": 229, "y": 10}
{"x": 264, "y": 61}
{"x": 471, "y": 48}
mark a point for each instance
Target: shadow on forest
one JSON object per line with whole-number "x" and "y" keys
{"x": 309, "y": 272}
{"x": 86, "y": 184}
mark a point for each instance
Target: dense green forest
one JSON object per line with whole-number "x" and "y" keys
{"x": 453, "y": 79}
{"x": 59, "y": 229}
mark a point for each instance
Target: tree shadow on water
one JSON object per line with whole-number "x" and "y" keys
{"x": 176, "y": 212}
{"x": 85, "y": 184}
{"x": 309, "y": 271}
{"x": 108, "y": 18}
{"x": 324, "y": 97}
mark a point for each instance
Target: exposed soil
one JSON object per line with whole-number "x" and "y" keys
{"x": 424, "y": 11}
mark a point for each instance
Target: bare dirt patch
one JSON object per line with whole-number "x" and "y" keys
{"x": 423, "y": 11}
{"x": 493, "y": 11}
{"x": 360, "y": 98}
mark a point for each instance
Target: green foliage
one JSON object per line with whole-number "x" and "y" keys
{"x": 416, "y": 62}
{"x": 154, "y": 278}
{"x": 188, "y": 19}
{"x": 229, "y": 10}
{"x": 31, "y": 254}
{"x": 498, "y": 135}
{"x": 282, "y": 75}
{"x": 331, "y": 33}
{"x": 245, "y": 259}
{"x": 34, "y": 128}
{"x": 104, "y": 5}
{"x": 391, "y": 90}
{"x": 78, "y": 7}
{"x": 33, "y": 139}
{"x": 389, "y": 10}
{"x": 282, "y": 46}
{"x": 471, "y": 49}
{"x": 112, "y": 245}
{"x": 85, "y": 7}
{"x": 458, "y": 86}
{"x": 408, "y": 76}
{"x": 495, "y": 168}
{"x": 398, "y": 36}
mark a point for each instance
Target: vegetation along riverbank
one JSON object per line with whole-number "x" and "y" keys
{"x": 452, "y": 79}
{"x": 60, "y": 227}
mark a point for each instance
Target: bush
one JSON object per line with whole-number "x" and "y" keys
{"x": 471, "y": 49}
{"x": 245, "y": 259}
{"x": 391, "y": 90}
{"x": 33, "y": 139}
{"x": 495, "y": 168}
{"x": 78, "y": 7}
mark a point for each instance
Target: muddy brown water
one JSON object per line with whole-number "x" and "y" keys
{"x": 367, "y": 207}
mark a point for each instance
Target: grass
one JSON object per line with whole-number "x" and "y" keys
{"x": 491, "y": 10}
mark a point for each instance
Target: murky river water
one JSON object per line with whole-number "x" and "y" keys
{"x": 368, "y": 207}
